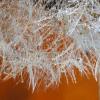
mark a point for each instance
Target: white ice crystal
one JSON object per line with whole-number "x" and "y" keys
{"x": 25, "y": 30}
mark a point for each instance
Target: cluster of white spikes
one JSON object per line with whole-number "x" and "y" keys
{"x": 25, "y": 27}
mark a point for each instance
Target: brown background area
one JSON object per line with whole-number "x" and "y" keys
{"x": 84, "y": 89}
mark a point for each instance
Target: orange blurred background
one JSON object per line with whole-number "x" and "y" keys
{"x": 84, "y": 89}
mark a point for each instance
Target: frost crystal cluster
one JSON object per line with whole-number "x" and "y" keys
{"x": 48, "y": 38}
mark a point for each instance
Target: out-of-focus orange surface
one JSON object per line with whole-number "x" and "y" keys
{"x": 84, "y": 89}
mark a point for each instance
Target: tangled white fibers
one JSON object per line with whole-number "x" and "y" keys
{"x": 48, "y": 38}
